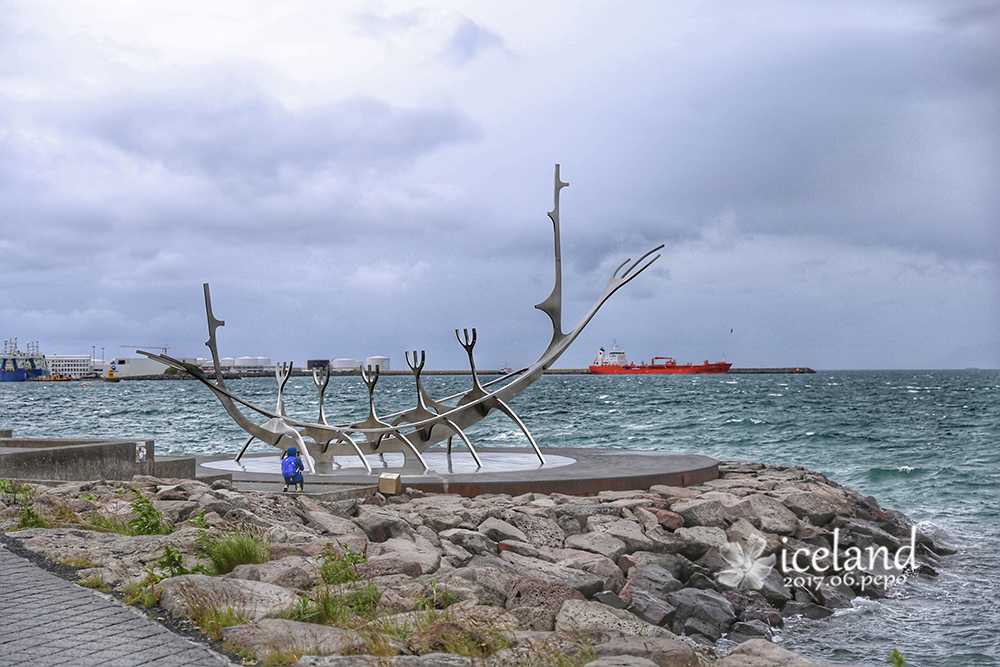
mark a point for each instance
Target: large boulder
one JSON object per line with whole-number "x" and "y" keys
{"x": 766, "y": 514}
{"x": 703, "y": 612}
{"x": 276, "y": 636}
{"x": 601, "y": 543}
{"x": 597, "y": 565}
{"x": 701, "y": 512}
{"x": 578, "y": 615}
{"x": 807, "y": 505}
{"x": 661, "y": 651}
{"x": 182, "y": 596}
{"x": 540, "y": 531}
{"x": 499, "y": 530}
{"x": 288, "y": 572}
{"x": 472, "y": 541}
{"x": 645, "y": 593}
{"x": 586, "y": 583}
{"x": 380, "y": 524}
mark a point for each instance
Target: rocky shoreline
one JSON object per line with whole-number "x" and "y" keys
{"x": 669, "y": 576}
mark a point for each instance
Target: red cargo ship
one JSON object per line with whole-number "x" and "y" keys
{"x": 615, "y": 363}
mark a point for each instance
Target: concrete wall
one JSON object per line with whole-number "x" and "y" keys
{"x": 78, "y": 460}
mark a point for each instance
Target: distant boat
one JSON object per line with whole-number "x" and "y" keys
{"x": 56, "y": 378}
{"x": 615, "y": 363}
{"x": 17, "y": 366}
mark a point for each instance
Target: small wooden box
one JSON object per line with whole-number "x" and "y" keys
{"x": 390, "y": 483}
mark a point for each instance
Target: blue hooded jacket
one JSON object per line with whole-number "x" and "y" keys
{"x": 291, "y": 467}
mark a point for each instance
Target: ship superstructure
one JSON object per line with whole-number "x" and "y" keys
{"x": 17, "y": 366}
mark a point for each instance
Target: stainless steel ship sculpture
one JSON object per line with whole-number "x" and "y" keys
{"x": 430, "y": 421}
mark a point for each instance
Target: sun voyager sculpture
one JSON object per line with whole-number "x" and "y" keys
{"x": 430, "y": 421}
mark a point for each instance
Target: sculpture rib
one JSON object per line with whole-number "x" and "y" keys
{"x": 382, "y": 435}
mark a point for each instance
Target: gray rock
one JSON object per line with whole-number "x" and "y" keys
{"x": 234, "y": 498}
{"x": 746, "y": 630}
{"x": 662, "y": 651}
{"x": 540, "y": 531}
{"x": 622, "y": 661}
{"x": 596, "y": 565}
{"x": 421, "y": 553}
{"x": 698, "y": 540}
{"x": 601, "y": 543}
{"x": 176, "y": 510}
{"x": 806, "y": 609}
{"x": 767, "y": 514}
{"x": 279, "y": 636}
{"x": 631, "y": 534}
{"x": 485, "y": 585}
{"x": 701, "y": 512}
{"x": 569, "y": 524}
{"x": 808, "y": 505}
{"x": 328, "y": 524}
{"x": 577, "y": 615}
{"x": 253, "y": 600}
{"x": 380, "y": 524}
{"x": 471, "y": 540}
{"x": 499, "y": 530}
{"x": 288, "y": 572}
{"x": 707, "y": 613}
{"x": 532, "y": 592}
{"x": 584, "y": 582}
{"x": 762, "y": 653}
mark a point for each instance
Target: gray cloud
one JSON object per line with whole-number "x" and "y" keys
{"x": 237, "y": 134}
{"x": 468, "y": 40}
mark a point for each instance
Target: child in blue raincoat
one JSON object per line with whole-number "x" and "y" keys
{"x": 291, "y": 469}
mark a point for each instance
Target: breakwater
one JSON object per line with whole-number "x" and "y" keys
{"x": 690, "y": 572}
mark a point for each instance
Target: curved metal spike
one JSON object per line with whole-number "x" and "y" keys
{"x": 321, "y": 388}
{"x": 504, "y": 408}
{"x": 452, "y": 425}
{"x": 282, "y": 375}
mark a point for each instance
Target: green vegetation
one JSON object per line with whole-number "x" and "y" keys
{"x": 29, "y": 518}
{"x": 237, "y": 547}
{"x": 338, "y": 567}
{"x": 895, "y": 659}
{"x": 148, "y": 520}
{"x": 212, "y": 618}
{"x": 339, "y": 607}
{"x": 18, "y": 492}
{"x": 95, "y": 581}
{"x": 437, "y": 600}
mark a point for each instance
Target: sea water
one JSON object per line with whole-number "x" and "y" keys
{"x": 923, "y": 442}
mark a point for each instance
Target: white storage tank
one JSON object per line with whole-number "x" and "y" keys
{"x": 345, "y": 364}
{"x": 381, "y": 362}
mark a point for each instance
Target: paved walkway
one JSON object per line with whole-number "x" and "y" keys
{"x": 46, "y": 621}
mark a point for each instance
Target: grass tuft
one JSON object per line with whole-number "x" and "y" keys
{"x": 238, "y": 547}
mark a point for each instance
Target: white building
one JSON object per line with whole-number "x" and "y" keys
{"x": 238, "y": 364}
{"x": 70, "y": 365}
{"x": 344, "y": 364}
{"x": 129, "y": 366}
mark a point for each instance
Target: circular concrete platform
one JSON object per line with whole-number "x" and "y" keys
{"x": 505, "y": 470}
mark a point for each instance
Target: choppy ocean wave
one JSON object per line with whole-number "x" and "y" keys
{"x": 921, "y": 442}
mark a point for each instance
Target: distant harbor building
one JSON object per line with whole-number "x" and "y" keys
{"x": 381, "y": 362}
{"x": 237, "y": 365}
{"x": 73, "y": 366}
{"x": 344, "y": 364}
{"x": 129, "y": 366}
{"x": 317, "y": 364}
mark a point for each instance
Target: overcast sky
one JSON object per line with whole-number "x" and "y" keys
{"x": 361, "y": 178}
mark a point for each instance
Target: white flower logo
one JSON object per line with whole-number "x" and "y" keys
{"x": 748, "y": 569}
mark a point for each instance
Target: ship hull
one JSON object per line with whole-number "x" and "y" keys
{"x": 720, "y": 368}
{"x": 22, "y": 374}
